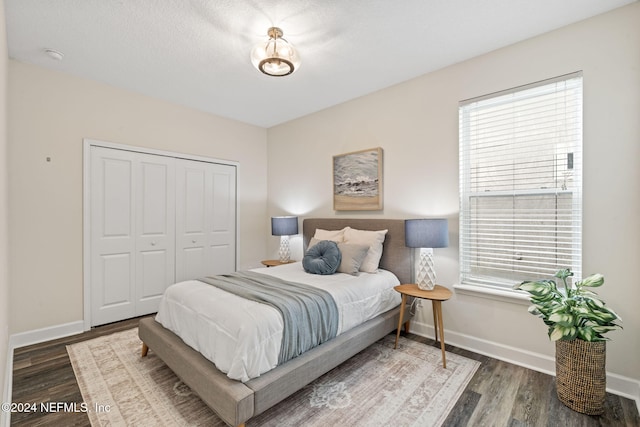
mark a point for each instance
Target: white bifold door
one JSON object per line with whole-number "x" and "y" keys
{"x": 155, "y": 220}
{"x": 205, "y": 219}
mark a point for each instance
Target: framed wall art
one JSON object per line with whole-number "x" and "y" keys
{"x": 357, "y": 180}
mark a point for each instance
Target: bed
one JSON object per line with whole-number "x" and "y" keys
{"x": 234, "y": 401}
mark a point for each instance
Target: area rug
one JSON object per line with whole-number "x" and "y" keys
{"x": 379, "y": 386}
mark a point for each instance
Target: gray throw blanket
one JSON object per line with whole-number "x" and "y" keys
{"x": 310, "y": 314}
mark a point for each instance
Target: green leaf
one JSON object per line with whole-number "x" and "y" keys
{"x": 594, "y": 303}
{"x": 562, "y": 319}
{"x": 593, "y": 281}
{"x": 562, "y": 333}
{"x": 615, "y": 314}
{"x": 537, "y": 289}
{"x": 587, "y": 334}
{"x": 534, "y": 310}
{"x": 603, "y": 317}
{"x": 555, "y": 333}
{"x": 563, "y": 274}
{"x": 581, "y": 310}
{"x": 605, "y": 328}
{"x": 586, "y": 293}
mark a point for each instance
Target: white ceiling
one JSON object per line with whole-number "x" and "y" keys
{"x": 196, "y": 52}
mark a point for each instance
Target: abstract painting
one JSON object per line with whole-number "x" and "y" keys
{"x": 357, "y": 180}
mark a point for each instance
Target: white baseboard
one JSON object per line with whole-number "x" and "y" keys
{"x": 24, "y": 339}
{"x": 50, "y": 333}
{"x": 616, "y": 384}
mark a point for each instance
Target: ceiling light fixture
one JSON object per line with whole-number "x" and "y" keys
{"x": 275, "y": 56}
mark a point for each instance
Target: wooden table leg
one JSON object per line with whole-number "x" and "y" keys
{"x": 437, "y": 309}
{"x": 435, "y": 318}
{"x": 404, "y": 301}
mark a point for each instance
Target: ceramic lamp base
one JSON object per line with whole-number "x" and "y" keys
{"x": 425, "y": 273}
{"x": 285, "y": 251}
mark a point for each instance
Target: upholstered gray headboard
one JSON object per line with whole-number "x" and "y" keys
{"x": 396, "y": 257}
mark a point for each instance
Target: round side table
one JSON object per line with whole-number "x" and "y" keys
{"x": 436, "y": 295}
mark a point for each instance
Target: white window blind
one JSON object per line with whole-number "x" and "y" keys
{"x": 520, "y": 183}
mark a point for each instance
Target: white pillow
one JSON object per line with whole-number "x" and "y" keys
{"x": 333, "y": 235}
{"x": 373, "y": 239}
{"x": 352, "y": 257}
{"x": 313, "y": 242}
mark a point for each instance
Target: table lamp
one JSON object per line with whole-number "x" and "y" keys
{"x": 426, "y": 234}
{"x": 284, "y": 226}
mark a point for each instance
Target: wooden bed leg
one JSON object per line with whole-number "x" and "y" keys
{"x": 241, "y": 425}
{"x": 406, "y": 326}
{"x": 145, "y": 350}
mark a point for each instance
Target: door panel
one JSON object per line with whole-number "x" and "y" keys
{"x": 193, "y": 193}
{"x": 117, "y": 197}
{"x": 113, "y": 245}
{"x": 116, "y": 279}
{"x": 155, "y": 230}
{"x": 193, "y": 264}
{"x": 190, "y": 219}
{"x": 222, "y": 209}
{"x": 220, "y": 259}
{"x": 155, "y": 198}
{"x": 222, "y": 232}
{"x": 205, "y": 219}
{"x": 153, "y": 280}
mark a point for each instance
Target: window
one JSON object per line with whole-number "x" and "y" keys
{"x": 520, "y": 183}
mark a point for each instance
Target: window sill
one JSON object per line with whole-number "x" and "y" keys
{"x": 497, "y": 294}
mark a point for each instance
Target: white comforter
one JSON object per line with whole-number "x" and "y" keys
{"x": 242, "y": 338}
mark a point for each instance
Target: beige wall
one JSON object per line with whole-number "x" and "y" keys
{"x": 4, "y": 211}
{"x": 50, "y": 114}
{"x": 416, "y": 123}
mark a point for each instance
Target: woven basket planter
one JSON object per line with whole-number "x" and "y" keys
{"x": 581, "y": 378}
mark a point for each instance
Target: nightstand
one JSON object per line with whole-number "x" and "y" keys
{"x": 274, "y": 262}
{"x": 436, "y": 295}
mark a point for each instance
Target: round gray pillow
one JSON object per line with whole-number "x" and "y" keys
{"x": 322, "y": 258}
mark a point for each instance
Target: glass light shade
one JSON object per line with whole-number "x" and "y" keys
{"x": 275, "y": 56}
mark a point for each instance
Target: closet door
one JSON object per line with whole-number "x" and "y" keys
{"x": 112, "y": 235}
{"x": 132, "y": 232}
{"x": 205, "y": 219}
{"x": 155, "y": 230}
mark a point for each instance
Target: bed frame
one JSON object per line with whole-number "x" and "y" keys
{"x": 236, "y": 402}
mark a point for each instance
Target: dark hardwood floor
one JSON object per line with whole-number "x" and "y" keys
{"x": 43, "y": 373}
{"x": 500, "y": 394}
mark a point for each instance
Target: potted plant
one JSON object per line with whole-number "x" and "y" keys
{"x": 577, "y": 321}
